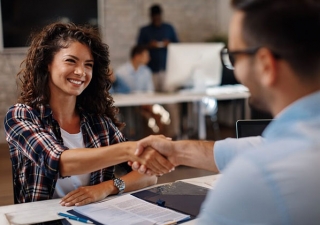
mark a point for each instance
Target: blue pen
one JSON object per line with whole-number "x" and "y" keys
{"x": 75, "y": 218}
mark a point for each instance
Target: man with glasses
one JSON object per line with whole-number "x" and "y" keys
{"x": 274, "y": 49}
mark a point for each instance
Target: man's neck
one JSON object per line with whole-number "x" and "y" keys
{"x": 295, "y": 93}
{"x": 135, "y": 64}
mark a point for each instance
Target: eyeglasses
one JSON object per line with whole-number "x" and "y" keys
{"x": 228, "y": 57}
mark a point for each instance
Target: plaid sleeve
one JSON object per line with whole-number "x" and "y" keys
{"x": 115, "y": 136}
{"x": 28, "y": 136}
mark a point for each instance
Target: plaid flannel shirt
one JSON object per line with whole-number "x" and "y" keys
{"x": 35, "y": 145}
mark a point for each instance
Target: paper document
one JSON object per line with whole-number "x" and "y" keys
{"x": 130, "y": 210}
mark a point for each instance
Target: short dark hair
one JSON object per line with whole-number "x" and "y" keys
{"x": 155, "y": 10}
{"x": 136, "y": 50}
{"x": 290, "y": 29}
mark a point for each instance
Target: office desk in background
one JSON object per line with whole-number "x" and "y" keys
{"x": 47, "y": 210}
{"x": 227, "y": 92}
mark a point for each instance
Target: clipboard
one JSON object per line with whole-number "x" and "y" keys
{"x": 179, "y": 196}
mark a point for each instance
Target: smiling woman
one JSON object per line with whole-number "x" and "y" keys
{"x": 63, "y": 135}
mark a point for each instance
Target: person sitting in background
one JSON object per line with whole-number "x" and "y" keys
{"x": 134, "y": 73}
{"x": 135, "y": 77}
{"x": 63, "y": 135}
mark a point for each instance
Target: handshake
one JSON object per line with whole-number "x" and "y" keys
{"x": 154, "y": 156}
{"x": 158, "y": 155}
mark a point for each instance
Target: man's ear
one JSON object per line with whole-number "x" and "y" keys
{"x": 266, "y": 66}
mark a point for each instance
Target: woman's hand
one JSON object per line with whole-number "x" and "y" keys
{"x": 87, "y": 194}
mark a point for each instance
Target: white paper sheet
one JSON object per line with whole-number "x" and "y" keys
{"x": 130, "y": 210}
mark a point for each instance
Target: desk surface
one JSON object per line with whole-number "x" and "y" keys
{"x": 226, "y": 92}
{"x": 47, "y": 210}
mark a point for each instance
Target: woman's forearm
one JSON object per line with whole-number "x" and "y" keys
{"x": 82, "y": 160}
{"x": 133, "y": 181}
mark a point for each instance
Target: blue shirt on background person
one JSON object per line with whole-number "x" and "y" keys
{"x": 139, "y": 80}
{"x": 119, "y": 86}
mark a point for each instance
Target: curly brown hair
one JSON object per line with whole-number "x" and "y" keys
{"x": 44, "y": 45}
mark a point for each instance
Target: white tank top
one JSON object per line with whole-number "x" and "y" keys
{"x": 65, "y": 185}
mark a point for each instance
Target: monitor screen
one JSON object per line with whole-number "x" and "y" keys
{"x": 19, "y": 18}
{"x": 193, "y": 65}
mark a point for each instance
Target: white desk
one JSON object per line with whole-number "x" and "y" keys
{"x": 47, "y": 210}
{"x": 227, "y": 92}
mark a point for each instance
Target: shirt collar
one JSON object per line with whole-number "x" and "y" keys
{"x": 303, "y": 109}
{"x": 46, "y": 111}
{"x": 132, "y": 70}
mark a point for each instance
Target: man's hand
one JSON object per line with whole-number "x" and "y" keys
{"x": 153, "y": 44}
{"x": 166, "y": 42}
{"x": 163, "y": 145}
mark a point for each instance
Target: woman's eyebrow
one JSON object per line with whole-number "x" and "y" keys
{"x": 76, "y": 58}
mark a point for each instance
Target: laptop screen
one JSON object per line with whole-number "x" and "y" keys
{"x": 248, "y": 128}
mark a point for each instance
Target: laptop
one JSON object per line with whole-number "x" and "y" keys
{"x": 248, "y": 128}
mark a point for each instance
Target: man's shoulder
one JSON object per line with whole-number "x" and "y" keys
{"x": 164, "y": 24}
{"x": 281, "y": 158}
{"x": 145, "y": 69}
{"x": 274, "y": 150}
{"x": 167, "y": 26}
{"x": 146, "y": 27}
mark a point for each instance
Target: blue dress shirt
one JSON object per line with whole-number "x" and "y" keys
{"x": 277, "y": 179}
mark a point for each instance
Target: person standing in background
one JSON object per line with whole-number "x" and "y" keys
{"x": 156, "y": 37}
